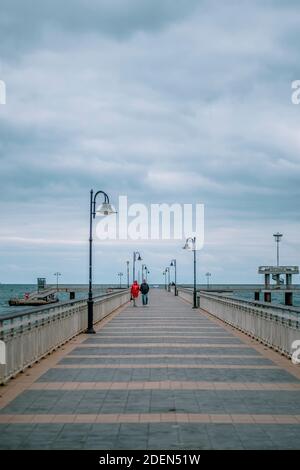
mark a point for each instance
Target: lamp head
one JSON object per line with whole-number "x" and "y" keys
{"x": 106, "y": 209}
{"x": 278, "y": 236}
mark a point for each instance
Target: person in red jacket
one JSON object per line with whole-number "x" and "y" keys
{"x": 135, "y": 290}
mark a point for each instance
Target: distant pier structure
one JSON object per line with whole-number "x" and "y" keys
{"x": 281, "y": 275}
{"x": 284, "y": 283}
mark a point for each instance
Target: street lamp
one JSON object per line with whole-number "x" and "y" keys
{"x": 173, "y": 264}
{"x": 57, "y": 276}
{"x": 127, "y": 263}
{"x": 190, "y": 244}
{"x": 168, "y": 271}
{"x": 136, "y": 257}
{"x": 165, "y": 275}
{"x": 105, "y": 209}
{"x": 145, "y": 271}
{"x": 120, "y": 276}
{"x": 278, "y": 236}
{"x": 208, "y": 276}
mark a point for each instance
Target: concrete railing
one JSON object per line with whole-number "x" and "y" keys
{"x": 30, "y": 335}
{"x": 274, "y": 325}
{"x": 186, "y": 294}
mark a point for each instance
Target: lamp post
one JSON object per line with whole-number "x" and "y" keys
{"x": 120, "y": 276}
{"x": 145, "y": 271}
{"x": 136, "y": 257}
{"x": 168, "y": 271}
{"x": 208, "y": 276}
{"x": 57, "y": 276}
{"x": 173, "y": 264}
{"x": 165, "y": 275}
{"x": 278, "y": 236}
{"x": 127, "y": 263}
{"x": 190, "y": 244}
{"x": 105, "y": 209}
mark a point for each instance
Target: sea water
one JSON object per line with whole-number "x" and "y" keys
{"x": 9, "y": 291}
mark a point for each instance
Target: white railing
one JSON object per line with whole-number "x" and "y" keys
{"x": 30, "y": 336}
{"x": 273, "y": 325}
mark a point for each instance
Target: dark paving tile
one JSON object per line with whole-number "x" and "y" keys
{"x": 167, "y": 360}
{"x": 197, "y": 341}
{"x": 155, "y": 401}
{"x": 163, "y": 436}
{"x": 269, "y": 436}
{"x": 164, "y": 350}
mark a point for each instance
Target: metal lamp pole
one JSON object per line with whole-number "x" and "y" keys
{"x": 145, "y": 270}
{"x": 208, "y": 276}
{"x": 165, "y": 275}
{"x": 57, "y": 275}
{"x": 127, "y": 263}
{"x": 278, "y": 236}
{"x": 136, "y": 257}
{"x": 120, "y": 276}
{"x": 174, "y": 265}
{"x": 105, "y": 209}
{"x": 168, "y": 271}
{"x": 188, "y": 247}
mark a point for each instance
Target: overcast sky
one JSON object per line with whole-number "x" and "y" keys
{"x": 162, "y": 101}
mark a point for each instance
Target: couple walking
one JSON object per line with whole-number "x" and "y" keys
{"x": 136, "y": 289}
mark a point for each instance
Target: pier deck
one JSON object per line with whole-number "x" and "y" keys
{"x": 161, "y": 377}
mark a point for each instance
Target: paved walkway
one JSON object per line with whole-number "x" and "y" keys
{"x": 162, "y": 377}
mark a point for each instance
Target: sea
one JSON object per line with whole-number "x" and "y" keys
{"x": 242, "y": 291}
{"x": 246, "y": 292}
{"x": 12, "y": 291}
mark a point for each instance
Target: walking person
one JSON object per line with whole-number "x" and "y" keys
{"x": 135, "y": 290}
{"x": 144, "y": 290}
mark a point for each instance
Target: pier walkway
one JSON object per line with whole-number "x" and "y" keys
{"x": 160, "y": 377}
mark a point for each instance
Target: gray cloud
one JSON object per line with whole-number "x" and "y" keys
{"x": 26, "y": 24}
{"x": 162, "y": 101}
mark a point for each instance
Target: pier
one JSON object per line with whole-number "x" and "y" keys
{"x": 160, "y": 377}
{"x": 47, "y": 294}
{"x": 275, "y": 272}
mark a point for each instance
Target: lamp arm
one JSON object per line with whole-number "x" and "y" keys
{"x": 106, "y": 200}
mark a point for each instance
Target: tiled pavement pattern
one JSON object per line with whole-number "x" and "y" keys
{"x": 162, "y": 377}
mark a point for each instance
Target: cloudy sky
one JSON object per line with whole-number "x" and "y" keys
{"x": 162, "y": 101}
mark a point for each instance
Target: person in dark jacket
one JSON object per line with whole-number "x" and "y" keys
{"x": 144, "y": 288}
